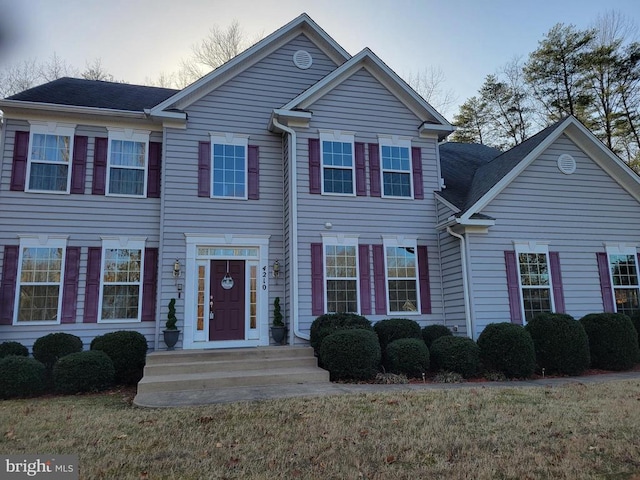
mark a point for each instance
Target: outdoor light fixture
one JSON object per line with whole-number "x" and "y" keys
{"x": 176, "y": 268}
{"x": 276, "y": 269}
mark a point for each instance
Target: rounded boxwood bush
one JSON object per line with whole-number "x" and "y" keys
{"x": 329, "y": 323}
{"x": 21, "y": 377}
{"x": 50, "y": 348}
{"x": 396, "y": 328}
{"x": 431, "y": 332}
{"x": 613, "y": 340}
{"x": 507, "y": 348}
{"x": 407, "y": 355}
{"x": 635, "y": 319}
{"x": 456, "y": 354}
{"x": 127, "y": 350}
{"x": 13, "y": 348}
{"x": 560, "y": 342}
{"x": 90, "y": 371}
{"x": 352, "y": 354}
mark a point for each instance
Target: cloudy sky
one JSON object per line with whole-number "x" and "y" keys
{"x": 136, "y": 40}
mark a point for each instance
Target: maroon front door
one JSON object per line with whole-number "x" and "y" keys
{"x": 227, "y": 321}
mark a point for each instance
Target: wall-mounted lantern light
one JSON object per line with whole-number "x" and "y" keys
{"x": 176, "y": 268}
{"x": 276, "y": 269}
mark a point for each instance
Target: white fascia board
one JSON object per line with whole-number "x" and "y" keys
{"x": 249, "y": 57}
{"x": 446, "y": 203}
{"x": 10, "y": 105}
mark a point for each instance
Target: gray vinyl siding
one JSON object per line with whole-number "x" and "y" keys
{"x": 241, "y": 106}
{"x": 454, "y": 310}
{"x": 362, "y": 105}
{"x": 85, "y": 219}
{"x": 574, "y": 213}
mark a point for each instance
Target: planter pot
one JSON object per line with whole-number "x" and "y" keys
{"x": 278, "y": 334}
{"x": 171, "y": 338}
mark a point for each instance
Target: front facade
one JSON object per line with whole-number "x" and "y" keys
{"x": 295, "y": 171}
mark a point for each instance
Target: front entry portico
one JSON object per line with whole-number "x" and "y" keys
{"x": 226, "y": 291}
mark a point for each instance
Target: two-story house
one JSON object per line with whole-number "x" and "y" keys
{"x": 295, "y": 171}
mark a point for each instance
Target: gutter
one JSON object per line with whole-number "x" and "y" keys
{"x": 293, "y": 227}
{"x": 465, "y": 281}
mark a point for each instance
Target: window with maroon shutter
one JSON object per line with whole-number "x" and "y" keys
{"x": 92, "y": 289}
{"x": 314, "y": 166}
{"x": 365, "y": 279}
{"x": 317, "y": 280}
{"x": 149, "y": 286}
{"x": 100, "y": 166}
{"x": 556, "y": 280}
{"x": 361, "y": 170}
{"x": 154, "y": 172}
{"x": 423, "y": 277}
{"x": 19, "y": 168}
{"x": 619, "y": 280}
{"x": 513, "y": 287}
{"x": 49, "y": 158}
{"x": 374, "y": 170}
{"x": 416, "y": 162}
{"x": 204, "y": 169}
{"x": 79, "y": 165}
{"x": 253, "y": 171}
{"x": 8, "y": 285}
{"x": 379, "y": 280}
{"x": 70, "y": 288}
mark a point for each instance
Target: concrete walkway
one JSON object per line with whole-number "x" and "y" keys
{"x": 249, "y": 394}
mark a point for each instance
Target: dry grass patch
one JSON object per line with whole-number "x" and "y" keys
{"x": 575, "y": 431}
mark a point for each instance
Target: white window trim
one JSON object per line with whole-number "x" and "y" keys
{"x": 533, "y": 247}
{"x": 406, "y": 242}
{"x": 621, "y": 249}
{"x": 395, "y": 141}
{"x": 333, "y": 239}
{"x": 130, "y": 135}
{"x": 343, "y": 137}
{"x": 50, "y": 128}
{"x": 235, "y": 140}
{"x": 133, "y": 243}
{"x": 41, "y": 241}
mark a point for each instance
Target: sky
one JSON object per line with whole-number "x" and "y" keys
{"x": 136, "y": 40}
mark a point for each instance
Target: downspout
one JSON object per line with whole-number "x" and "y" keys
{"x": 159, "y": 279}
{"x": 439, "y": 245}
{"x": 293, "y": 227}
{"x": 465, "y": 281}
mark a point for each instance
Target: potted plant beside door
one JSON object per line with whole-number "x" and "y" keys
{"x": 171, "y": 332}
{"x": 278, "y": 329}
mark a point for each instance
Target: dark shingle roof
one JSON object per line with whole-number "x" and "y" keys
{"x": 96, "y": 93}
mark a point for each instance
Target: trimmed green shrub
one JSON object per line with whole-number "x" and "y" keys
{"x": 560, "y": 342}
{"x": 635, "y": 319}
{"x": 396, "y": 328}
{"x": 50, "y": 348}
{"x": 455, "y": 354}
{"x": 507, "y": 348}
{"x": 127, "y": 350}
{"x": 407, "y": 355}
{"x": 613, "y": 340}
{"x": 90, "y": 371}
{"x": 329, "y": 323}
{"x": 13, "y": 348}
{"x": 21, "y": 377}
{"x": 351, "y": 354}
{"x": 431, "y": 332}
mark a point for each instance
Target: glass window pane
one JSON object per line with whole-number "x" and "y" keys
{"x": 229, "y": 176}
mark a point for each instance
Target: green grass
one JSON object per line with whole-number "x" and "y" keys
{"x": 574, "y": 431}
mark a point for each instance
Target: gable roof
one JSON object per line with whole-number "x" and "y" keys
{"x": 95, "y": 94}
{"x": 431, "y": 119}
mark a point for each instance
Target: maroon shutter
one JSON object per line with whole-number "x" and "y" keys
{"x": 423, "y": 275}
{"x": 513, "y": 287}
{"x": 149, "y": 284}
{"x": 556, "y": 279}
{"x": 153, "y": 175}
{"x": 314, "y": 166}
{"x": 79, "y": 166}
{"x": 92, "y": 290}
{"x": 361, "y": 172}
{"x": 8, "y": 285}
{"x": 204, "y": 169}
{"x": 416, "y": 161}
{"x": 254, "y": 172}
{"x": 20, "y": 153}
{"x": 605, "y": 282}
{"x": 365, "y": 279}
{"x": 374, "y": 170}
{"x": 317, "y": 280}
{"x": 379, "y": 280}
{"x": 70, "y": 291}
{"x": 100, "y": 166}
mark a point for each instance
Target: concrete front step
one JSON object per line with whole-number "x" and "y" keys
{"x": 212, "y": 370}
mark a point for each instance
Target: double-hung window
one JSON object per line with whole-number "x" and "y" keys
{"x": 338, "y": 165}
{"x": 229, "y": 170}
{"x": 121, "y": 279}
{"x": 623, "y": 269}
{"x": 128, "y": 161}
{"x": 396, "y": 171}
{"x": 341, "y": 273}
{"x": 535, "y": 279}
{"x": 401, "y": 267}
{"x": 49, "y": 160}
{"x": 41, "y": 267}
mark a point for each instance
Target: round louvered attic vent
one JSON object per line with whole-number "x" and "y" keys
{"x": 566, "y": 164}
{"x": 302, "y": 59}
